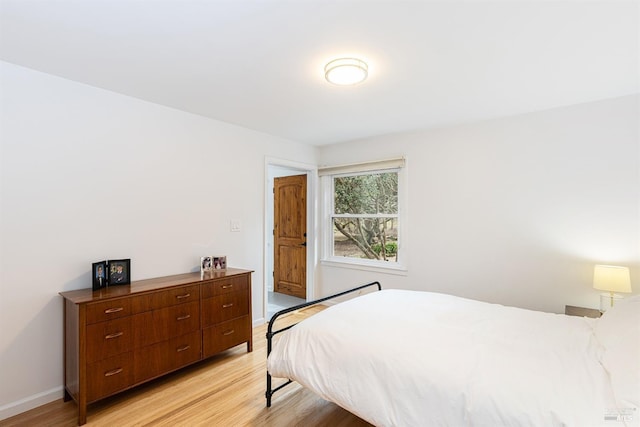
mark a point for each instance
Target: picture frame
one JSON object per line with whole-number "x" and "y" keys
{"x": 99, "y": 275}
{"x": 206, "y": 264}
{"x": 119, "y": 272}
{"x": 220, "y": 263}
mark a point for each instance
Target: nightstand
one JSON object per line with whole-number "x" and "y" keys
{"x": 581, "y": 311}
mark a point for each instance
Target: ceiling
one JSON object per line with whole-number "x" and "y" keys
{"x": 259, "y": 64}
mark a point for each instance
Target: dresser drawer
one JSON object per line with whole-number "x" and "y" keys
{"x": 154, "y": 360}
{"x": 224, "y": 286}
{"x": 224, "y": 307}
{"x": 174, "y": 296}
{"x": 109, "y": 376}
{"x": 108, "y": 310}
{"x": 159, "y": 325}
{"x": 107, "y": 339}
{"x": 225, "y": 335}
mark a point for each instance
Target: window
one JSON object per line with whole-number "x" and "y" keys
{"x": 363, "y": 215}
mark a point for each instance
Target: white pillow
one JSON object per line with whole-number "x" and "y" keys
{"x": 618, "y": 330}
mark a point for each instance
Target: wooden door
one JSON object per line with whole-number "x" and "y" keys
{"x": 290, "y": 235}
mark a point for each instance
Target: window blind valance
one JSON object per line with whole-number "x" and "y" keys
{"x": 394, "y": 163}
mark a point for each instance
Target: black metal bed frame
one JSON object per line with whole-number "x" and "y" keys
{"x": 271, "y": 333}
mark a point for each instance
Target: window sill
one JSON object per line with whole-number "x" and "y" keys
{"x": 398, "y": 270}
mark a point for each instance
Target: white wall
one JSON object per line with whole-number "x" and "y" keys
{"x": 517, "y": 210}
{"x": 88, "y": 175}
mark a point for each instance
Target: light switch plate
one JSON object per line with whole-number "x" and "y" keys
{"x": 235, "y": 225}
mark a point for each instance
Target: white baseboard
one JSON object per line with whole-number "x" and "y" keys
{"x": 30, "y": 402}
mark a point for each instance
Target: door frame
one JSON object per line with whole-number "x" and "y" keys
{"x": 275, "y": 167}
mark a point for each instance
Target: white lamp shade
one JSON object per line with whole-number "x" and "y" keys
{"x": 611, "y": 278}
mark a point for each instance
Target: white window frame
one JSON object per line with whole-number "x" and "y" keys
{"x": 327, "y": 176}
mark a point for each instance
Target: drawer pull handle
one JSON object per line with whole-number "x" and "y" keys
{"x": 183, "y": 296}
{"x": 227, "y": 286}
{"x": 114, "y": 372}
{"x": 113, "y": 310}
{"x": 186, "y": 316}
{"x": 111, "y": 336}
{"x": 229, "y": 332}
{"x": 184, "y": 348}
{"x": 227, "y": 305}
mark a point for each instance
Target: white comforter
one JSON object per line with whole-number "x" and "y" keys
{"x": 403, "y": 358}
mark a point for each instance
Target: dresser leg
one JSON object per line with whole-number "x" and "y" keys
{"x": 67, "y": 397}
{"x": 249, "y": 346}
{"x": 82, "y": 415}
{"x": 82, "y": 409}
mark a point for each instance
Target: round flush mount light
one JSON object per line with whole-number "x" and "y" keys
{"x": 346, "y": 71}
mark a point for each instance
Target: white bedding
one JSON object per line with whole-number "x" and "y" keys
{"x": 403, "y": 358}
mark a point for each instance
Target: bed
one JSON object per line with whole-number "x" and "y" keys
{"x": 406, "y": 358}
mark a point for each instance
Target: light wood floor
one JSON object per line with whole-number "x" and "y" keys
{"x": 226, "y": 390}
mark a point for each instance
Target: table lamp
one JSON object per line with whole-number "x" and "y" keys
{"x": 613, "y": 279}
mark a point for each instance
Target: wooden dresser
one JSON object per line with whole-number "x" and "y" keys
{"x": 121, "y": 336}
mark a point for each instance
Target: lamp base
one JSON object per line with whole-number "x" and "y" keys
{"x": 608, "y": 300}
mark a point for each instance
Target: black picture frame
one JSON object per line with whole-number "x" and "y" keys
{"x": 119, "y": 272}
{"x": 99, "y": 275}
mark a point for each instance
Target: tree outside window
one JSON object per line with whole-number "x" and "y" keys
{"x": 365, "y": 216}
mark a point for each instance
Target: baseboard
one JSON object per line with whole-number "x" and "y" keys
{"x": 30, "y": 402}
{"x": 258, "y": 322}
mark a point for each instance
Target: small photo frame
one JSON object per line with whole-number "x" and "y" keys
{"x": 119, "y": 272}
{"x": 206, "y": 264}
{"x": 99, "y": 275}
{"x": 219, "y": 263}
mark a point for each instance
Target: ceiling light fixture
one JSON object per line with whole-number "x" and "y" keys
{"x": 346, "y": 71}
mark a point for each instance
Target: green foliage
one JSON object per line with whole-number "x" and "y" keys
{"x": 366, "y": 194}
{"x": 391, "y": 248}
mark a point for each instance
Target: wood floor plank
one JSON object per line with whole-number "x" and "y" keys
{"x": 226, "y": 390}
